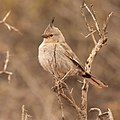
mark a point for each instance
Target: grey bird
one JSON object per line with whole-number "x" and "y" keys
{"x": 56, "y": 57}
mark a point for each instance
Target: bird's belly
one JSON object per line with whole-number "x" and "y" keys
{"x": 46, "y": 57}
{"x": 64, "y": 64}
{"x": 54, "y": 60}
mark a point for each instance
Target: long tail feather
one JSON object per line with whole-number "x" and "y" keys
{"x": 96, "y": 82}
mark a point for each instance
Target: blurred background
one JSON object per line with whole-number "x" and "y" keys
{"x": 30, "y": 85}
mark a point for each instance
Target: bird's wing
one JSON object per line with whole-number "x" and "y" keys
{"x": 71, "y": 55}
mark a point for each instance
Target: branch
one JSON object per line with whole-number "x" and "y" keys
{"x": 5, "y": 71}
{"x": 103, "y": 116}
{"x": 63, "y": 91}
{"x": 59, "y": 89}
{"x": 90, "y": 28}
{"x": 25, "y": 115}
{"x": 93, "y": 15}
{"x": 98, "y": 45}
{"x": 10, "y": 27}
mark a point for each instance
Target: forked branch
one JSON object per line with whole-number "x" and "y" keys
{"x": 10, "y": 27}
{"x": 98, "y": 45}
{"x": 5, "y": 71}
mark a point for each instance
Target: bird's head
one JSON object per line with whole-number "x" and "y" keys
{"x": 52, "y": 34}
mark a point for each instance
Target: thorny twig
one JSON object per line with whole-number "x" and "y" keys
{"x": 98, "y": 45}
{"x": 69, "y": 98}
{"x": 61, "y": 93}
{"x": 25, "y": 115}
{"x": 103, "y": 116}
{"x": 5, "y": 67}
{"x": 62, "y": 88}
{"x": 10, "y": 27}
{"x": 58, "y": 85}
{"x": 91, "y": 30}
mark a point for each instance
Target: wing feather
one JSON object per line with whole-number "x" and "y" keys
{"x": 71, "y": 55}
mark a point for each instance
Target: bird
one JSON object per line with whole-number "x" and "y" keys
{"x": 56, "y": 57}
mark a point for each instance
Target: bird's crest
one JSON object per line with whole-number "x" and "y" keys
{"x": 52, "y": 22}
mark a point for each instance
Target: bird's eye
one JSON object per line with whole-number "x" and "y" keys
{"x": 51, "y": 35}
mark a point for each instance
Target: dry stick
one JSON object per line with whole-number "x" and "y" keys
{"x": 61, "y": 93}
{"x": 103, "y": 116}
{"x": 69, "y": 91}
{"x": 5, "y": 67}
{"x": 93, "y": 17}
{"x": 6, "y": 61}
{"x": 70, "y": 99}
{"x": 91, "y": 30}
{"x": 10, "y": 27}
{"x": 75, "y": 106}
{"x": 59, "y": 90}
{"x": 95, "y": 50}
{"x": 25, "y": 115}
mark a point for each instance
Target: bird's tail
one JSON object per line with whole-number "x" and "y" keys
{"x": 94, "y": 81}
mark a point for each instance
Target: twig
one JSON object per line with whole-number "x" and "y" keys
{"x": 10, "y": 27}
{"x": 5, "y": 67}
{"x": 91, "y": 34}
{"x": 106, "y": 22}
{"x": 103, "y": 116}
{"x": 93, "y": 17}
{"x": 95, "y": 50}
{"x": 25, "y": 115}
{"x": 6, "y": 61}
{"x": 23, "y": 112}
{"x": 69, "y": 91}
{"x": 60, "y": 84}
{"x": 72, "y": 104}
{"x": 59, "y": 88}
{"x": 91, "y": 30}
{"x": 97, "y": 109}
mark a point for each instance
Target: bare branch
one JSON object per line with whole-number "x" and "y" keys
{"x": 91, "y": 30}
{"x": 95, "y": 50}
{"x": 97, "y": 109}
{"x": 107, "y": 21}
{"x": 103, "y": 116}
{"x": 23, "y": 112}
{"x": 73, "y": 105}
{"x": 90, "y": 35}
{"x": 6, "y": 61}
{"x": 10, "y": 27}
{"x": 8, "y": 73}
{"x": 93, "y": 17}
{"x": 6, "y": 16}
{"x": 60, "y": 84}
{"x": 25, "y": 115}
{"x": 59, "y": 88}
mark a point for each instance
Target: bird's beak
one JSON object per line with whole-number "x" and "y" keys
{"x": 44, "y": 35}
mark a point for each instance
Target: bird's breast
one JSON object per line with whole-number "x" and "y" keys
{"x": 53, "y": 59}
{"x": 46, "y": 56}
